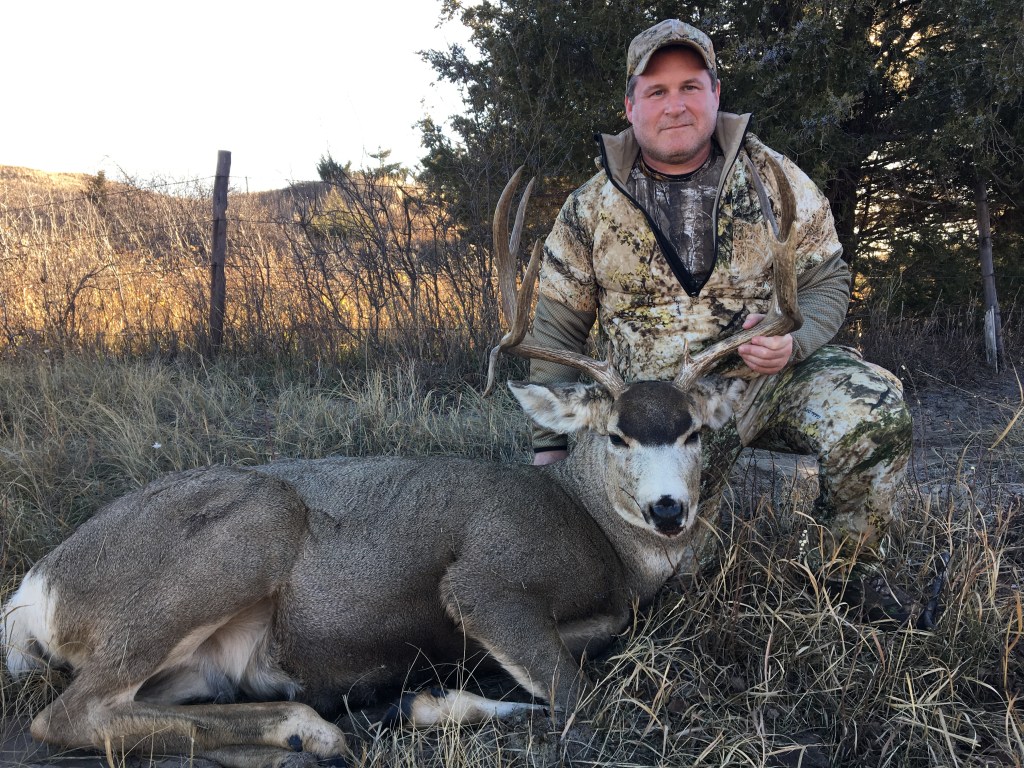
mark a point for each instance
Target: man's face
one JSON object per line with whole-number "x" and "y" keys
{"x": 673, "y": 111}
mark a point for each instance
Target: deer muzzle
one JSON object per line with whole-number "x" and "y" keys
{"x": 667, "y": 514}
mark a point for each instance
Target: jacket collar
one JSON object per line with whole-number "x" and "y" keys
{"x": 621, "y": 149}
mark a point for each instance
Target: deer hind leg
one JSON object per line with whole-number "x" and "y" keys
{"x": 134, "y": 701}
{"x": 247, "y": 735}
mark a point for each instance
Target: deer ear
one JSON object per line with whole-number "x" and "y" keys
{"x": 722, "y": 397}
{"x": 564, "y": 408}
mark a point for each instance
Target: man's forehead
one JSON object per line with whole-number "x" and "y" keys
{"x": 661, "y": 66}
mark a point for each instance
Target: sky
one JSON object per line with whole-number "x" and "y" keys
{"x": 154, "y": 90}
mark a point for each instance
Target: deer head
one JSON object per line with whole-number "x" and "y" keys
{"x": 645, "y": 437}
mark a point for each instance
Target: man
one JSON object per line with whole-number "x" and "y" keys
{"x": 666, "y": 247}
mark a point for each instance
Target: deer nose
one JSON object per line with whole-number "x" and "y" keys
{"x": 667, "y": 514}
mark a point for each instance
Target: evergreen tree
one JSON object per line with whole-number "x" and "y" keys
{"x": 546, "y": 75}
{"x": 893, "y": 108}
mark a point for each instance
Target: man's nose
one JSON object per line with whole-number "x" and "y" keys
{"x": 675, "y": 104}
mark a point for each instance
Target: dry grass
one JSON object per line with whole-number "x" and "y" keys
{"x": 76, "y": 433}
{"x": 746, "y": 663}
{"x": 315, "y": 271}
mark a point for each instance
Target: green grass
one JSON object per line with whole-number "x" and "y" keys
{"x": 746, "y": 663}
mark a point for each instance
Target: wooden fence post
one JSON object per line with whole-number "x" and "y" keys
{"x": 218, "y": 251}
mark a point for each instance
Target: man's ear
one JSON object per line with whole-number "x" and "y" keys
{"x": 721, "y": 396}
{"x": 564, "y": 408}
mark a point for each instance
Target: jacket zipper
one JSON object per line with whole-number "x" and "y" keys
{"x": 683, "y": 275}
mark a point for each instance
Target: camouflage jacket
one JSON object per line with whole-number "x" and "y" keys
{"x": 604, "y": 258}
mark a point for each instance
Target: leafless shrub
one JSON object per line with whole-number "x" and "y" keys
{"x": 382, "y": 264}
{"x": 367, "y": 265}
{"x": 946, "y": 345}
{"x": 118, "y": 269}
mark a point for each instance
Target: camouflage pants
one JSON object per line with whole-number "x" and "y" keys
{"x": 847, "y": 413}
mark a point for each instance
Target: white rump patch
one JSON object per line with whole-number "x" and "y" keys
{"x": 27, "y": 629}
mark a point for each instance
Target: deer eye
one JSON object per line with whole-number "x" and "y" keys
{"x": 616, "y": 440}
{"x": 694, "y": 438}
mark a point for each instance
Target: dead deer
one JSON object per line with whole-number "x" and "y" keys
{"x": 226, "y": 612}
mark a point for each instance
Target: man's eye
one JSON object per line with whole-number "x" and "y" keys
{"x": 617, "y": 441}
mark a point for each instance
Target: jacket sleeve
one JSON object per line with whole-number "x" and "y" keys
{"x": 823, "y": 294}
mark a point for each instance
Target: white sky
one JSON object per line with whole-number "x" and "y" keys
{"x": 155, "y": 89}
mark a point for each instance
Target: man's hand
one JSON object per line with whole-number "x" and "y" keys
{"x": 765, "y": 354}
{"x": 548, "y": 457}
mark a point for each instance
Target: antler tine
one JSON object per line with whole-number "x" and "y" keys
{"x": 516, "y": 304}
{"x": 506, "y": 249}
{"x": 783, "y": 313}
{"x": 518, "y": 316}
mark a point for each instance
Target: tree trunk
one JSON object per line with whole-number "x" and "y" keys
{"x": 842, "y": 198}
{"x": 994, "y": 345}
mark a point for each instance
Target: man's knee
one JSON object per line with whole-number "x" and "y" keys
{"x": 832, "y": 402}
{"x": 876, "y": 427}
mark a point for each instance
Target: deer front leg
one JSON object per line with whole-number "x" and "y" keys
{"x": 438, "y": 706}
{"x": 527, "y": 645}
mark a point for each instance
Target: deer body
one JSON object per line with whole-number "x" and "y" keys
{"x": 332, "y": 582}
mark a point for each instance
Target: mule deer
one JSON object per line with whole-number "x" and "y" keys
{"x": 226, "y": 612}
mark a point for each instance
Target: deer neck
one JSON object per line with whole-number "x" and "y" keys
{"x": 649, "y": 557}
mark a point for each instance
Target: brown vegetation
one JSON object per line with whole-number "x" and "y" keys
{"x": 315, "y": 271}
{"x": 745, "y": 663}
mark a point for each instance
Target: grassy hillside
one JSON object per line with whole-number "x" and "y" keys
{"x": 24, "y": 184}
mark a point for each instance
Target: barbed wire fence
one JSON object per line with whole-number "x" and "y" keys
{"x": 317, "y": 270}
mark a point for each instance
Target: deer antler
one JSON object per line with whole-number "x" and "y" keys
{"x": 783, "y": 313}
{"x": 516, "y": 304}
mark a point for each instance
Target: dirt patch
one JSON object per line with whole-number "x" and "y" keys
{"x": 967, "y": 439}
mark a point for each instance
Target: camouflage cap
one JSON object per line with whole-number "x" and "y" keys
{"x": 669, "y": 32}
